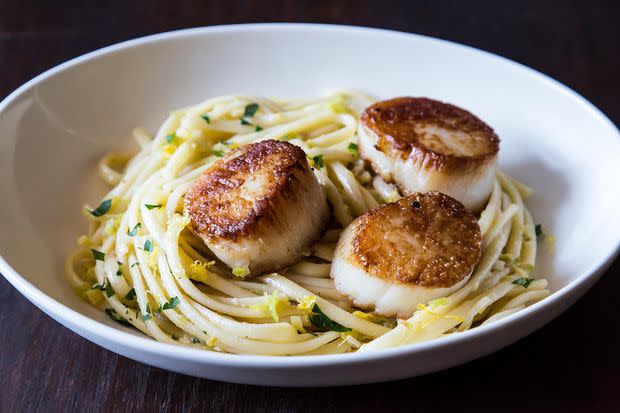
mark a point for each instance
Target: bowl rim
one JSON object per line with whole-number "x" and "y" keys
{"x": 60, "y": 311}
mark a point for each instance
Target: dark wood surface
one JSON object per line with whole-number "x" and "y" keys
{"x": 571, "y": 365}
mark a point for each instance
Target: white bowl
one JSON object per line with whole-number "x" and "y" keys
{"x": 54, "y": 128}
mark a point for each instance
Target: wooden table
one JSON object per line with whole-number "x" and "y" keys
{"x": 572, "y": 364}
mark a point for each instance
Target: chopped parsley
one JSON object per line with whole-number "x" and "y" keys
{"x": 195, "y": 340}
{"x": 135, "y": 264}
{"x": 245, "y": 122}
{"x": 152, "y": 206}
{"x": 523, "y": 282}
{"x": 134, "y": 230}
{"x": 538, "y": 230}
{"x": 147, "y": 314}
{"x": 119, "y": 272}
{"x": 99, "y": 286}
{"x": 97, "y": 255}
{"x": 320, "y": 320}
{"x": 219, "y": 154}
{"x": 250, "y": 110}
{"x": 318, "y": 161}
{"x": 131, "y": 294}
{"x": 102, "y": 209}
{"x": 258, "y": 128}
{"x": 206, "y": 118}
{"x": 109, "y": 291}
{"x": 170, "y": 138}
{"x": 148, "y": 246}
{"x": 106, "y": 286}
{"x": 114, "y": 316}
{"x": 353, "y": 147}
{"x": 173, "y": 302}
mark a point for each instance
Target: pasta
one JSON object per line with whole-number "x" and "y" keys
{"x": 143, "y": 266}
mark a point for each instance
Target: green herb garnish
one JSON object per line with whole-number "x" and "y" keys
{"x": 134, "y": 230}
{"x": 147, "y": 314}
{"x": 245, "y": 122}
{"x": 195, "y": 340}
{"x": 97, "y": 255}
{"x": 114, "y": 316}
{"x": 258, "y": 128}
{"x": 109, "y": 291}
{"x": 170, "y": 138}
{"x": 320, "y": 320}
{"x": 99, "y": 286}
{"x": 206, "y": 118}
{"x": 148, "y": 246}
{"x": 135, "y": 264}
{"x": 318, "y": 161}
{"x": 173, "y": 302}
{"x": 219, "y": 154}
{"x": 102, "y": 209}
{"x": 538, "y": 230}
{"x": 353, "y": 148}
{"x": 106, "y": 286}
{"x": 131, "y": 294}
{"x": 250, "y": 110}
{"x": 152, "y": 206}
{"x": 523, "y": 282}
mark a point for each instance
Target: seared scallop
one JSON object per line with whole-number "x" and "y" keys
{"x": 405, "y": 253}
{"x": 260, "y": 207}
{"x": 424, "y": 145}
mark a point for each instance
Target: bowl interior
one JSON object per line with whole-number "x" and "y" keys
{"x": 53, "y": 131}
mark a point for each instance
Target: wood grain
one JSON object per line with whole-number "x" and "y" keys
{"x": 571, "y": 365}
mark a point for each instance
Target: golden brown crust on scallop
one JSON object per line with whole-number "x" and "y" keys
{"x": 408, "y": 127}
{"x": 426, "y": 239}
{"x": 216, "y": 203}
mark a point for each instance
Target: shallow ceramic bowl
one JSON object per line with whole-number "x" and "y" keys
{"x": 54, "y": 128}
